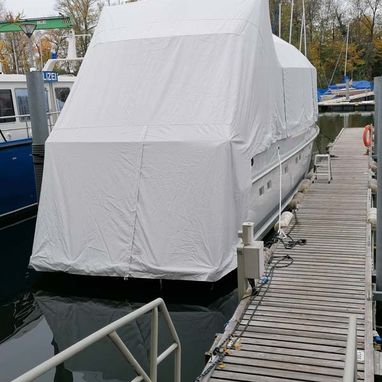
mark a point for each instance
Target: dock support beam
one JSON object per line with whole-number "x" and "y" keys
{"x": 40, "y": 131}
{"x": 378, "y": 130}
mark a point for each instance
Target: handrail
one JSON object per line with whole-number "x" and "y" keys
{"x": 290, "y": 155}
{"x": 15, "y": 116}
{"x": 350, "y": 370}
{"x": 49, "y": 116}
{"x": 110, "y": 331}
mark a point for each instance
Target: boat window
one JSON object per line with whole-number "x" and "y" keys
{"x": 296, "y": 159}
{"x": 286, "y": 169}
{"x": 261, "y": 190}
{"x": 269, "y": 184}
{"x": 61, "y": 96}
{"x": 299, "y": 156}
{"x": 22, "y": 102}
{"x": 6, "y": 106}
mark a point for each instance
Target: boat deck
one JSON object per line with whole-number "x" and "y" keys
{"x": 299, "y": 330}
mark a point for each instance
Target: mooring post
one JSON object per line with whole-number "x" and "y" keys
{"x": 378, "y": 129}
{"x": 39, "y": 122}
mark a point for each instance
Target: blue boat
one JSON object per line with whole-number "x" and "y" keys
{"x": 17, "y": 184}
{"x": 17, "y": 191}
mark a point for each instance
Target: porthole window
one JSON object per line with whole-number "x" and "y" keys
{"x": 261, "y": 190}
{"x": 269, "y": 184}
{"x": 299, "y": 156}
{"x": 286, "y": 169}
{"x": 296, "y": 160}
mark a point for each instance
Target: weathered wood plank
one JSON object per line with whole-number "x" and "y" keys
{"x": 299, "y": 330}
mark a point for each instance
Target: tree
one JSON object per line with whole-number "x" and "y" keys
{"x": 14, "y": 47}
{"x": 84, "y": 16}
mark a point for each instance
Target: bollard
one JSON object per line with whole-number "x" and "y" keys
{"x": 40, "y": 131}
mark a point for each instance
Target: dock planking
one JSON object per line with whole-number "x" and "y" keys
{"x": 299, "y": 330}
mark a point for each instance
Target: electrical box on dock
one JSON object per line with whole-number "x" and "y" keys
{"x": 254, "y": 260}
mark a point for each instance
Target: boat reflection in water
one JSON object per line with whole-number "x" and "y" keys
{"x": 68, "y": 319}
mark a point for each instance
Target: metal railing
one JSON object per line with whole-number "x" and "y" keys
{"x": 25, "y": 118}
{"x": 110, "y": 332}
{"x": 350, "y": 371}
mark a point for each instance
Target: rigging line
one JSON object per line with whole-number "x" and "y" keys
{"x": 338, "y": 60}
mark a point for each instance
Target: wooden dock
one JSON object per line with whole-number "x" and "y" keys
{"x": 299, "y": 331}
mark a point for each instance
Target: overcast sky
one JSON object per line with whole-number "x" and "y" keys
{"x": 32, "y": 8}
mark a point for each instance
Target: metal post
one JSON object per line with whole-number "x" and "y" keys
{"x": 378, "y": 110}
{"x": 154, "y": 346}
{"x": 40, "y": 131}
{"x": 378, "y": 128}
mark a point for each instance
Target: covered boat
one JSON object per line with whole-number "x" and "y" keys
{"x": 169, "y": 139}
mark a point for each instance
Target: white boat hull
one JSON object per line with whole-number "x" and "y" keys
{"x": 265, "y": 193}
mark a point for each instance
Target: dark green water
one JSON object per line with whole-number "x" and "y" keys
{"x": 36, "y": 324}
{"x": 331, "y": 124}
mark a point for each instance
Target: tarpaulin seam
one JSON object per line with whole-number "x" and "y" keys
{"x": 137, "y": 199}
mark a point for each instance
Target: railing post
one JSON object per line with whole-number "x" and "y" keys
{"x": 350, "y": 371}
{"x": 154, "y": 346}
{"x": 178, "y": 351}
{"x": 178, "y": 362}
{"x": 110, "y": 331}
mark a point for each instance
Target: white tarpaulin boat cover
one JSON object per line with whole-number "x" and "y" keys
{"x": 147, "y": 172}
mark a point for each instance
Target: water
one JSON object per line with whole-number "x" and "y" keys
{"x": 38, "y": 323}
{"x": 331, "y": 124}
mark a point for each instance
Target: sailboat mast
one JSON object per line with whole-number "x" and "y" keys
{"x": 303, "y": 29}
{"x": 291, "y": 22}
{"x": 346, "y": 51}
{"x": 346, "y": 61}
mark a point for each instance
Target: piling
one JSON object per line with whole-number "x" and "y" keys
{"x": 40, "y": 131}
{"x": 378, "y": 111}
{"x": 378, "y": 128}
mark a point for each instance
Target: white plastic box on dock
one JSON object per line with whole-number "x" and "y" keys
{"x": 148, "y": 170}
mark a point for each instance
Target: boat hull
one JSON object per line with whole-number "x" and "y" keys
{"x": 17, "y": 175}
{"x": 295, "y": 155}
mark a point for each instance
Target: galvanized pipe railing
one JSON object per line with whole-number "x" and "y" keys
{"x": 110, "y": 332}
{"x": 350, "y": 371}
{"x": 25, "y": 118}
